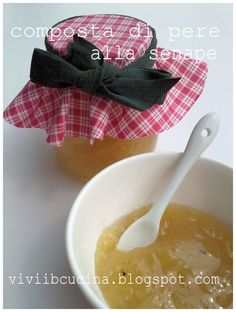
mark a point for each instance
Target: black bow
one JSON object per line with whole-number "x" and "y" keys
{"x": 134, "y": 85}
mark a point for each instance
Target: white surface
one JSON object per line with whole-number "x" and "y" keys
{"x": 37, "y": 195}
{"x": 83, "y": 229}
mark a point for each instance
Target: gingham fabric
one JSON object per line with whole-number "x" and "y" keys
{"x": 70, "y": 112}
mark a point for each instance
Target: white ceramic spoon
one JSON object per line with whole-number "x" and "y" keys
{"x": 144, "y": 231}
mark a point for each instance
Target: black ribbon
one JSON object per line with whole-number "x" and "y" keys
{"x": 136, "y": 85}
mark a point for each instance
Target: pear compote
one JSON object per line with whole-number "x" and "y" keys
{"x": 83, "y": 160}
{"x": 188, "y": 266}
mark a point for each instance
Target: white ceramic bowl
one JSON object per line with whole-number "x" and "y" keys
{"x": 132, "y": 183}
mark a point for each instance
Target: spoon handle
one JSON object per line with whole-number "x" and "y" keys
{"x": 202, "y": 135}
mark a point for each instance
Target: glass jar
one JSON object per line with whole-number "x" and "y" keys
{"x": 83, "y": 160}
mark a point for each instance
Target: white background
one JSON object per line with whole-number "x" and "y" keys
{"x": 37, "y": 195}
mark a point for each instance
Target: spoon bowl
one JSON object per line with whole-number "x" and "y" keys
{"x": 208, "y": 186}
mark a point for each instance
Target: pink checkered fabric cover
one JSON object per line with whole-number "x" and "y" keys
{"x": 70, "y": 112}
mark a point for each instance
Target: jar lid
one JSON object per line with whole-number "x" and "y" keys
{"x": 127, "y": 88}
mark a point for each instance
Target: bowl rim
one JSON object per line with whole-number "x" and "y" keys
{"x": 86, "y": 290}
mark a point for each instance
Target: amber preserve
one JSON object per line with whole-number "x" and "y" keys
{"x": 188, "y": 266}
